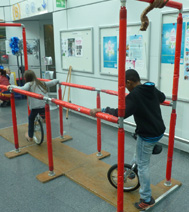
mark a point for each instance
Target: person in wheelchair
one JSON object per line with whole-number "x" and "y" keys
{"x": 4, "y": 95}
{"x": 36, "y": 106}
{"x": 143, "y": 102}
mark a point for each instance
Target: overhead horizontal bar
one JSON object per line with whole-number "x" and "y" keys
{"x": 173, "y": 4}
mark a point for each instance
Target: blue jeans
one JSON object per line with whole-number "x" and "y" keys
{"x": 31, "y": 120}
{"x": 143, "y": 153}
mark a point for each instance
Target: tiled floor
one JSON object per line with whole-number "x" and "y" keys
{"x": 21, "y": 191}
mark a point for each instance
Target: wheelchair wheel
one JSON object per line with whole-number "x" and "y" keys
{"x": 38, "y": 132}
{"x": 131, "y": 179}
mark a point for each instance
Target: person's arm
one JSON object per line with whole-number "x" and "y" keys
{"x": 161, "y": 95}
{"x": 129, "y": 110}
{"x": 52, "y": 83}
{"x": 26, "y": 87}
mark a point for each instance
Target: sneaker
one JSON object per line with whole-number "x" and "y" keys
{"x": 157, "y": 149}
{"x": 142, "y": 205}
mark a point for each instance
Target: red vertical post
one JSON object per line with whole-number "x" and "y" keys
{"x": 60, "y": 111}
{"x": 49, "y": 138}
{"x": 14, "y": 121}
{"x": 121, "y": 102}
{"x": 174, "y": 98}
{"x": 25, "y": 48}
{"x": 98, "y": 126}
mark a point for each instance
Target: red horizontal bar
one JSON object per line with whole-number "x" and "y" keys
{"x": 27, "y": 93}
{"x": 173, "y": 4}
{"x": 72, "y": 85}
{"x": 44, "y": 80}
{"x": 111, "y": 92}
{"x": 84, "y": 110}
{"x": 4, "y": 87}
{"x": 78, "y": 86}
{"x": 167, "y": 103}
{"x": 115, "y": 93}
{"x": 10, "y": 24}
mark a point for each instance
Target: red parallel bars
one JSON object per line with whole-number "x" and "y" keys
{"x": 121, "y": 103}
{"x": 13, "y": 109}
{"x": 24, "y": 40}
{"x": 85, "y": 110}
{"x": 174, "y": 98}
{"x": 14, "y": 121}
{"x": 115, "y": 93}
{"x": 78, "y": 86}
{"x": 49, "y": 138}
{"x": 25, "y": 48}
{"x": 98, "y": 126}
{"x": 60, "y": 111}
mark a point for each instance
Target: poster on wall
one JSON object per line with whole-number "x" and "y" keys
{"x": 64, "y": 48}
{"x": 186, "y": 56}
{"x": 130, "y": 64}
{"x": 71, "y": 47}
{"x": 78, "y": 47}
{"x": 169, "y": 41}
{"x": 77, "y": 50}
{"x": 134, "y": 52}
{"x": 110, "y": 52}
{"x": 134, "y": 47}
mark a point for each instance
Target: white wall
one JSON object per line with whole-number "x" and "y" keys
{"x": 82, "y": 14}
{"x": 4, "y": 3}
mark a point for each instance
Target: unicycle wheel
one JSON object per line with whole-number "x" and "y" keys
{"x": 38, "y": 132}
{"x": 131, "y": 179}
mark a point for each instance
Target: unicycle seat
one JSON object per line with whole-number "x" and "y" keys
{"x": 157, "y": 149}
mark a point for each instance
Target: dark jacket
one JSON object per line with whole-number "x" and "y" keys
{"x": 143, "y": 102}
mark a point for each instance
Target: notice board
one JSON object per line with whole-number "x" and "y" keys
{"x": 77, "y": 49}
{"x": 137, "y": 49}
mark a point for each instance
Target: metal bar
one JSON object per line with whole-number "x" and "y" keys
{"x": 49, "y": 137}
{"x": 170, "y": 3}
{"x": 115, "y": 93}
{"x": 78, "y": 86}
{"x": 10, "y": 25}
{"x": 60, "y": 111}
{"x": 98, "y": 126}
{"x": 25, "y": 48}
{"x": 85, "y": 110}
{"x": 174, "y": 98}
{"x": 27, "y": 93}
{"x": 121, "y": 102}
{"x": 14, "y": 121}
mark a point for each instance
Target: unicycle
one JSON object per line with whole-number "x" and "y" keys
{"x": 38, "y": 130}
{"x": 131, "y": 179}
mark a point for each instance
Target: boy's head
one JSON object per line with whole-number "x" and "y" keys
{"x": 132, "y": 79}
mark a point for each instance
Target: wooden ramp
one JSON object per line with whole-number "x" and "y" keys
{"x": 86, "y": 170}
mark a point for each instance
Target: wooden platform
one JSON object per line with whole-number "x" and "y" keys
{"x": 86, "y": 170}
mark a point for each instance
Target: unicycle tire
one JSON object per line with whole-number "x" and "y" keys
{"x": 38, "y": 132}
{"x": 131, "y": 179}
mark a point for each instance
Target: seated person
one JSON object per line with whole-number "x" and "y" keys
{"x": 10, "y": 76}
{"x": 5, "y": 101}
